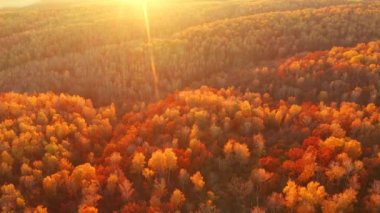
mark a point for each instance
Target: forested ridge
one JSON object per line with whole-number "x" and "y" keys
{"x": 75, "y": 54}
{"x": 334, "y": 75}
{"x": 265, "y": 106}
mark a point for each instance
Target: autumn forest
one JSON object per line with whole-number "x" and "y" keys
{"x": 198, "y": 106}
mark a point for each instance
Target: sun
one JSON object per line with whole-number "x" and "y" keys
{"x": 137, "y": 1}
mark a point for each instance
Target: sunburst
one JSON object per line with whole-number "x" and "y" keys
{"x": 150, "y": 49}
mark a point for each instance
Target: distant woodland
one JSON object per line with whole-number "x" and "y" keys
{"x": 264, "y": 106}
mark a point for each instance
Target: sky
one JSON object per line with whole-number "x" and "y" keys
{"x": 16, "y": 3}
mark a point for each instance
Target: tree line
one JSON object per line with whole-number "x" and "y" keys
{"x": 122, "y": 70}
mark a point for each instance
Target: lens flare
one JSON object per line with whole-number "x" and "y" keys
{"x": 150, "y": 49}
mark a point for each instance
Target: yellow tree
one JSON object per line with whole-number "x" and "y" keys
{"x": 83, "y": 181}
{"x": 343, "y": 202}
{"x": 177, "y": 198}
{"x": 198, "y": 181}
{"x": 138, "y": 162}
{"x": 163, "y": 161}
{"x": 234, "y": 149}
{"x": 11, "y": 199}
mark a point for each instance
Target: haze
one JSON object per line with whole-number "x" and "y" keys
{"x": 17, "y": 3}
{"x": 247, "y": 106}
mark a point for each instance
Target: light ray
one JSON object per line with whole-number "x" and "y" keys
{"x": 150, "y": 49}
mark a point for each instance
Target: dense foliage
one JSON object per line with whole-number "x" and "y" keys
{"x": 206, "y": 150}
{"x": 45, "y": 136}
{"x": 71, "y": 28}
{"x": 289, "y": 120}
{"x": 341, "y": 74}
{"x": 115, "y": 60}
{"x": 235, "y": 152}
{"x": 336, "y": 75}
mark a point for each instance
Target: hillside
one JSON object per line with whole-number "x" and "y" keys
{"x": 44, "y": 135}
{"x": 205, "y": 149}
{"x": 114, "y": 65}
{"x": 335, "y": 75}
{"x": 261, "y": 106}
{"x": 233, "y": 151}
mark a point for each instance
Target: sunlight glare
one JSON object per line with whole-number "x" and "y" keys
{"x": 150, "y": 47}
{"x": 144, "y": 5}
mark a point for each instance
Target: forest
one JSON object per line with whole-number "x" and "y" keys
{"x": 198, "y": 106}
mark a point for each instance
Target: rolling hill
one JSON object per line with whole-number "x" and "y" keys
{"x": 264, "y": 106}
{"x": 119, "y": 65}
